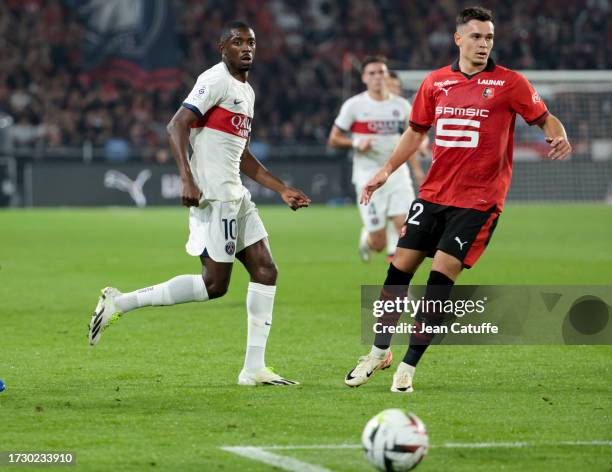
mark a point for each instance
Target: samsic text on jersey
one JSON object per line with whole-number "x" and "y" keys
{"x": 473, "y": 118}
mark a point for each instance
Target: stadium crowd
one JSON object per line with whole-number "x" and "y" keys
{"x": 298, "y": 69}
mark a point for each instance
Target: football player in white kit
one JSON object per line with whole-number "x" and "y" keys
{"x": 375, "y": 120}
{"x": 224, "y": 223}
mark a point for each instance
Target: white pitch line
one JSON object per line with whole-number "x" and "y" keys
{"x": 522, "y": 444}
{"x": 283, "y": 462}
{"x": 453, "y": 445}
{"x": 314, "y": 446}
{"x": 262, "y": 454}
{"x": 484, "y": 445}
{"x": 585, "y": 443}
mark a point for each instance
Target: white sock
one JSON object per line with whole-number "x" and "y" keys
{"x": 364, "y": 239}
{"x": 260, "y": 302}
{"x": 392, "y": 237}
{"x": 180, "y": 289}
{"x": 379, "y": 353}
{"x": 407, "y": 367}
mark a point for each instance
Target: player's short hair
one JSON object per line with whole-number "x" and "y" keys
{"x": 474, "y": 13}
{"x": 371, "y": 60}
{"x": 393, "y": 74}
{"x": 226, "y": 31}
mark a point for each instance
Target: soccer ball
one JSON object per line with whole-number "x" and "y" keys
{"x": 394, "y": 441}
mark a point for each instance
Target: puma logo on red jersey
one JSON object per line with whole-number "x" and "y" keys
{"x": 444, "y": 86}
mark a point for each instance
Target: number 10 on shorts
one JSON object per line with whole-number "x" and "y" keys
{"x": 229, "y": 228}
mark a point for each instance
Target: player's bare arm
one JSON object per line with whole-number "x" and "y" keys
{"x": 178, "y": 135}
{"x": 424, "y": 147}
{"x": 339, "y": 139}
{"x": 413, "y": 162}
{"x": 555, "y": 134}
{"x": 251, "y": 167}
{"x": 408, "y": 145}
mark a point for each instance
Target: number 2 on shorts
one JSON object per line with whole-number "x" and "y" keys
{"x": 417, "y": 207}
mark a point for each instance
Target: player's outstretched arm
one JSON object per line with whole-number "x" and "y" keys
{"x": 251, "y": 167}
{"x": 178, "y": 135}
{"x": 408, "y": 144}
{"x": 339, "y": 139}
{"x": 556, "y": 136}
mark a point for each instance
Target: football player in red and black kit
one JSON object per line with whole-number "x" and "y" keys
{"x": 472, "y": 105}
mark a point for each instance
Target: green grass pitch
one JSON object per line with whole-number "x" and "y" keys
{"x": 159, "y": 392}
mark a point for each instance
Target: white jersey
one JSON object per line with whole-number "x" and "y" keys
{"x": 382, "y": 121}
{"x": 225, "y": 107}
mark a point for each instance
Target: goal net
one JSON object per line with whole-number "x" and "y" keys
{"x": 582, "y": 100}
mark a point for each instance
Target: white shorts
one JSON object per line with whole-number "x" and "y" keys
{"x": 224, "y": 228}
{"x": 386, "y": 202}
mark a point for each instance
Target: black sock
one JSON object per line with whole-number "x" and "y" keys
{"x": 439, "y": 287}
{"x": 396, "y": 286}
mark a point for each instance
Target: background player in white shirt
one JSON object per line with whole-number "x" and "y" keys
{"x": 375, "y": 120}
{"x": 216, "y": 120}
{"x": 394, "y": 85}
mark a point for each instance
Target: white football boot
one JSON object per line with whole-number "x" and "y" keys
{"x": 364, "y": 249}
{"x": 265, "y": 376}
{"x": 106, "y": 314}
{"x": 366, "y": 366}
{"x": 402, "y": 379}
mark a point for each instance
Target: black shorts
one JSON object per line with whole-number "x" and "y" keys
{"x": 461, "y": 232}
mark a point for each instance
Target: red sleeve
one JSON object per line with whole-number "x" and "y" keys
{"x": 526, "y": 102}
{"x": 422, "y": 114}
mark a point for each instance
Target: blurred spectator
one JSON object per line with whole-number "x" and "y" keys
{"x": 117, "y": 149}
{"x": 162, "y": 156}
{"x": 298, "y": 69}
